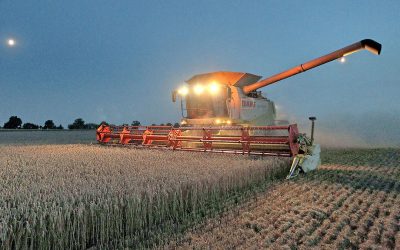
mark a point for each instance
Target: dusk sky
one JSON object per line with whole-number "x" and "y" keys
{"x": 119, "y": 60}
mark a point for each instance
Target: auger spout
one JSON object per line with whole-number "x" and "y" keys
{"x": 368, "y": 44}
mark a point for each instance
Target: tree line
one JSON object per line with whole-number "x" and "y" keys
{"x": 15, "y": 122}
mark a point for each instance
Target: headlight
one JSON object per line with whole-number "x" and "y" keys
{"x": 213, "y": 88}
{"x": 183, "y": 91}
{"x": 198, "y": 89}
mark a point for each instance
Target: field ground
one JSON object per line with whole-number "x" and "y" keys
{"x": 86, "y": 196}
{"x": 351, "y": 202}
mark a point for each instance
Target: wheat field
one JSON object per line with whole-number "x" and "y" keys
{"x": 82, "y": 196}
{"x": 79, "y": 196}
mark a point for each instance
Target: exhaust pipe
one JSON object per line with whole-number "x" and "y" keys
{"x": 312, "y": 119}
{"x": 368, "y": 44}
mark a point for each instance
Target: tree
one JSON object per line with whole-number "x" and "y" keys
{"x": 78, "y": 124}
{"x": 104, "y": 123}
{"x": 135, "y": 123}
{"x": 60, "y": 127}
{"x": 91, "y": 126}
{"x": 176, "y": 125}
{"x": 30, "y": 126}
{"x": 13, "y": 123}
{"x": 168, "y": 124}
{"x": 49, "y": 124}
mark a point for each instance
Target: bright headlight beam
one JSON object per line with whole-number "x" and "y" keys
{"x": 213, "y": 88}
{"x": 183, "y": 91}
{"x": 198, "y": 89}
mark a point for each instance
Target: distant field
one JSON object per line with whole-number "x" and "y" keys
{"x": 32, "y": 137}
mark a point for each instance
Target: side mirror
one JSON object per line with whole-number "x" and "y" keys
{"x": 174, "y": 96}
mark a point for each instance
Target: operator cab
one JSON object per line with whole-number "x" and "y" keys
{"x": 214, "y": 98}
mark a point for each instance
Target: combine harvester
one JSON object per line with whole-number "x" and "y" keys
{"x": 223, "y": 112}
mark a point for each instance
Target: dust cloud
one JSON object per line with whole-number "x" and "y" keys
{"x": 368, "y": 130}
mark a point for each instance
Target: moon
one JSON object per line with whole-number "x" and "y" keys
{"x": 11, "y": 42}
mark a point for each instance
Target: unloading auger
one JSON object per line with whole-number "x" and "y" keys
{"x": 223, "y": 112}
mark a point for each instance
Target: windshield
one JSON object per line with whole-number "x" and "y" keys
{"x": 206, "y": 105}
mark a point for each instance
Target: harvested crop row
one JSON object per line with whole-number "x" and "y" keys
{"x": 77, "y": 196}
{"x": 342, "y": 205}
